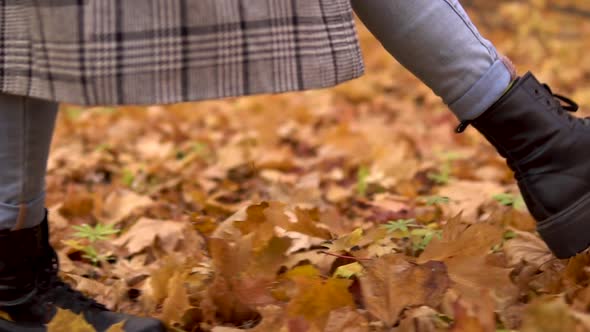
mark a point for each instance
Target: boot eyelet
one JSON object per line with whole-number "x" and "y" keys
{"x": 536, "y": 91}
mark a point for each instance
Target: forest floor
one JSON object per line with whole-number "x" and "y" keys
{"x": 350, "y": 209}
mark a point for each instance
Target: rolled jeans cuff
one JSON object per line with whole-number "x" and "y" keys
{"x": 484, "y": 93}
{"x": 34, "y": 213}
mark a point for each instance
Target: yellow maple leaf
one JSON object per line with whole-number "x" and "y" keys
{"x": 316, "y": 298}
{"x": 119, "y": 327}
{"x": 5, "y": 316}
{"x": 66, "y": 320}
{"x": 346, "y": 242}
{"x": 349, "y": 270}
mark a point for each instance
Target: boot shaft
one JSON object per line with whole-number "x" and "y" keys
{"x": 547, "y": 148}
{"x": 527, "y": 124}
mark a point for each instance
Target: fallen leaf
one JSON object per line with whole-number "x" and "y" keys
{"x": 177, "y": 302}
{"x": 346, "y": 320}
{"x": 421, "y": 319}
{"x": 464, "y": 249}
{"x": 466, "y": 197}
{"x": 316, "y": 298}
{"x": 119, "y": 327}
{"x": 390, "y": 283}
{"x": 527, "y": 247}
{"x": 349, "y": 270}
{"x": 466, "y": 322}
{"x": 146, "y": 231}
{"x": 121, "y": 203}
{"x": 548, "y": 314}
{"x": 65, "y": 320}
{"x": 345, "y": 242}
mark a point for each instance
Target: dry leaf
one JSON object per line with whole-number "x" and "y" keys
{"x": 548, "y": 314}
{"x": 119, "y": 327}
{"x": 390, "y": 283}
{"x": 421, "y": 319}
{"x": 527, "y": 247}
{"x": 65, "y": 320}
{"x": 466, "y": 197}
{"x": 316, "y": 298}
{"x": 146, "y": 231}
{"x": 346, "y": 320}
{"x": 121, "y": 203}
{"x": 464, "y": 250}
{"x": 176, "y": 303}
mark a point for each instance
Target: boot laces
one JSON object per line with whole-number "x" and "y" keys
{"x": 569, "y": 106}
{"x": 53, "y": 290}
{"x": 559, "y": 103}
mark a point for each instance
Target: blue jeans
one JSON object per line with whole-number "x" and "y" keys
{"x": 437, "y": 42}
{"x": 434, "y": 39}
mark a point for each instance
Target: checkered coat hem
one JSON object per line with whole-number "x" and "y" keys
{"x": 114, "y": 52}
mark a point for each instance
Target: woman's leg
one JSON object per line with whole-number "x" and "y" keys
{"x": 26, "y": 129}
{"x": 27, "y": 260}
{"x": 437, "y": 42}
{"x": 544, "y": 145}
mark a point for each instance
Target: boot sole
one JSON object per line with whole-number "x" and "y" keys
{"x": 568, "y": 232}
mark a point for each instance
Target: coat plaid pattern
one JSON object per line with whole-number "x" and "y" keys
{"x": 163, "y": 51}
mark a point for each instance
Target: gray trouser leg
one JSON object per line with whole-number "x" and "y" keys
{"x": 26, "y": 129}
{"x": 437, "y": 42}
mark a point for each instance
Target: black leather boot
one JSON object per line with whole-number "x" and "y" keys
{"x": 31, "y": 291}
{"x": 549, "y": 151}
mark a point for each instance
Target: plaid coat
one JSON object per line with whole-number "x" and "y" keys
{"x": 163, "y": 51}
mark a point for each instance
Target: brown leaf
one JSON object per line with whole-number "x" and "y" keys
{"x": 77, "y": 205}
{"x": 464, "y": 249}
{"x": 254, "y": 291}
{"x": 472, "y": 274}
{"x": 121, "y": 203}
{"x": 146, "y": 231}
{"x": 65, "y": 320}
{"x": 466, "y": 197}
{"x": 473, "y": 240}
{"x": 119, "y": 327}
{"x": 346, "y": 320}
{"x": 548, "y": 314}
{"x": 273, "y": 319}
{"x": 528, "y": 248}
{"x": 176, "y": 303}
{"x": 316, "y": 298}
{"x": 307, "y": 223}
{"x": 421, "y": 319}
{"x": 390, "y": 283}
{"x": 160, "y": 277}
{"x": 465, "y": 322}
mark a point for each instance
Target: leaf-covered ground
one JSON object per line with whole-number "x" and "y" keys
{"x": 349, "y": 209}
